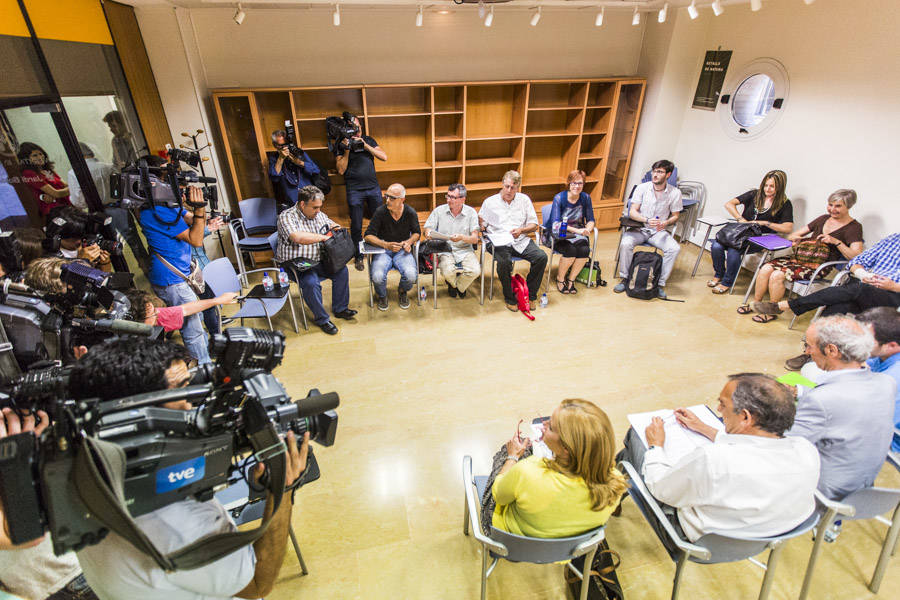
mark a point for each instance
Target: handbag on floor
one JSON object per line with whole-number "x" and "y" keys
{"x": 595, "y": 280}
{"x": 604, "y": 583}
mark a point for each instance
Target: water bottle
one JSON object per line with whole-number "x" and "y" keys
{"x": 544, "y": 300}
{"x": 283, "y": 280}
{"x": 556, "y": 225}
{"x": 422, "y": 294}
{"x": 267, "y": 282}
{"x": 563, "y": 227}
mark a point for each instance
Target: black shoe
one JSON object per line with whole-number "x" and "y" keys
{"x": 452, "y": 291}
{"x": 403, "y": 299}
{"x": 796, "y": 363}
{"x": 329, "y": 328}
{"x": 382, "y": 303}
{"x": 360, "y": 263}
{"x": 462, "y": 294}
{"x": 227, "y": 320}
{"x": 346, "y": 314}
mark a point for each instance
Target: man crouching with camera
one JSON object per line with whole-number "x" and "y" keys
{"x": 114, "y": 568}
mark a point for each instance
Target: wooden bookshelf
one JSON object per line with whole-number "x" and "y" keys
{"x": 436, "y": 134}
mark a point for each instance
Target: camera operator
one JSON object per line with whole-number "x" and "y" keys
{"x": 290, "y": 168}
{"x": 170, "y": 235}
{"x": 115, "y": 568}
{"x": 358, "y": 169}
{"x": 69, "y": 225}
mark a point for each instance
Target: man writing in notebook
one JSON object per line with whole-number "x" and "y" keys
{"x": 751, "y": 480}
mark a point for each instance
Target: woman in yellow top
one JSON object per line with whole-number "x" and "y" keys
{"x": 573, "y": 492}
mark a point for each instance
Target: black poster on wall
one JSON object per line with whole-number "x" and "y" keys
{"x": 712, "y": 78}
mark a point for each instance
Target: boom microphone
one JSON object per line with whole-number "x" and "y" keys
{"x": 314, "y": 405}
{"x": 119, "y": 326}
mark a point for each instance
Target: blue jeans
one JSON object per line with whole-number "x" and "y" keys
{"x": 357, "y": 200}
{"x": 726, "y": 262}
{"x": 310, "y": 283}
{"x": 403, "y": 261}
{"x": 192, "y": 333}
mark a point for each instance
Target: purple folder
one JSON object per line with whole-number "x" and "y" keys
{"x": 770, "y": 242}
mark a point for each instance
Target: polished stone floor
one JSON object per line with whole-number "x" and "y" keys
{"x": 421, "y": 388}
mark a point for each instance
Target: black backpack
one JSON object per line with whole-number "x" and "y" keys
{"x": 643, "y": 277}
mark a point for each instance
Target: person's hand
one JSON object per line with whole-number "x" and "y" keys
{"x": 345, "y": 143}
{"x": 103, "y": 259}
{"x": 794, "y": 237}
{"x": 393, "y": 246}
{"x": 89, "y": 253}
{"x": 295, "y": 464}
{"x": 215, "y": 224}
{"x": 285, "y": 152}
{"x": 831, "y": 241}
{"x": 655, "y": 433}
{"x": 406, "y": 245}
{"x": 227, "y": 298}
{"x": 883, "y": 283}
{"x": 195, "y": 200}
{"x": 660, "y": 226}
{"x": 515, "y": 447}
{"x": 515, "y": 232}
{"x": 686, "y": 418}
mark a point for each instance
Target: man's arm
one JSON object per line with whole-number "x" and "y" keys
{"x": 305, "y": 238}
{"x": 194, "y": 235}
{"x": 191, "y": 308}
{"x": 375, "y": 151}
{"x": 635, "y": 212}
{"x": 682, "y": 484}
{"x": 342, "y": 160}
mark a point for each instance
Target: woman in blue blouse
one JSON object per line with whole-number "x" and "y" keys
{"x": 574, "y": 207}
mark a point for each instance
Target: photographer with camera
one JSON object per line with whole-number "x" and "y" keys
{"x": 170, "y": 235}
{"x": 66, "y": 237}
{"x": 355, "y": 155}
{"x": 114, "y": 567}
{"x": 290, "y": 168}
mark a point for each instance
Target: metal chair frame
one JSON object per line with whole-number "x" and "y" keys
{"x": 240, "y": 244}
{"x": 434, "y": 272}
{"x": 541, "y": 229}
{"x": 273, "y": 243}
{"x": 517, "y": 548}
{"x": 368, "y": 250}
{"x": 808, "y": 283}
{"x": 714, "y": 547}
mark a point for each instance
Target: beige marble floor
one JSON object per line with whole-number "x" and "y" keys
{"x": 421, "y": 388}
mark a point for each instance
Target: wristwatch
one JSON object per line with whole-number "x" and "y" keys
{"x": 513, "y": 458}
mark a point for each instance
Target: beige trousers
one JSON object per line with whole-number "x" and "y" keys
{"x": 460, "y": 278}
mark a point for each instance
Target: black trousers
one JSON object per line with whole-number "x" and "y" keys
{"x": 854, "y": 297}
{"x": 535, "y": 257}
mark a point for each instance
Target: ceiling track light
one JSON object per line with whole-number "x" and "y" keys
{"x": 599, "y": 20}
{"x": 663, "y": 12}
{"x": 489, "y": 19}
{"x": 636, "y": 17}
{"x": 808, "y": 2}
{"x": 693, "y": 13}
{"x": 755, "y": 5}
{"x": 336, "y": 17}
{"x": 239, "y": 15}
{"x": 536, "y": 17}
{"x": 717, "y": 8}
{"x": 419, "y": 17}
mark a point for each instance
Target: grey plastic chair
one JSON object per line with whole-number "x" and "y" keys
{"x": 273, "y": 244}
{"x": 242, "y": 242}
{"x": 368, "y": 250}
{"x": 221, "y": 277}
{"x": 713, "y": 547}
{"x": 517, "y": 548}
{"x": 542, "y": 228}
{"x": 867, "y": 503}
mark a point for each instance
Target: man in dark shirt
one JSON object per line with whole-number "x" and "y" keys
{"x": 289, "y": 173}
{"x": 394, "y": 227}
{"x": 358, "y": 169}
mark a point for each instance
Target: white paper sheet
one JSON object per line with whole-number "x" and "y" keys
{"x": 501, "y": 238}
{"x": 680, "y": 441}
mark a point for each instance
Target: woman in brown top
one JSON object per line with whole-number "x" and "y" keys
{"x": 842, "y": 236}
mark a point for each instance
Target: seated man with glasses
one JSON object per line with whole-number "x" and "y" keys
{"x": 394, "y": 227}
{"x": 458, "y": 224}
{"x": 656, "y": 204}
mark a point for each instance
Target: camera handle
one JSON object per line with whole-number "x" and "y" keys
{"x": 99, "y": 475}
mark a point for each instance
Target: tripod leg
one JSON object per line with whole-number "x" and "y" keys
{"x": 297, "y": 550}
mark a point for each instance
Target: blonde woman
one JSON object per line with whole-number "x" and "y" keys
{"x": 573, "y": 492}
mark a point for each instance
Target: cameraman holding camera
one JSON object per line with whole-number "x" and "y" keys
{"x": 65, "y": 235}
{"x": 290, "y": 168}
{"x": 356, "y": 162}
{"x": 117, "y": 570}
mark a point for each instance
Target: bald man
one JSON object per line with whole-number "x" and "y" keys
{"x": 394, "y": 227}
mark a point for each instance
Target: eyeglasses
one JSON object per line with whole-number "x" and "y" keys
{"x": 804, "y": 345}
{"x": 576, "y": 183}
{"x": 389, "y": 197}
{"x": 449, "y": 197}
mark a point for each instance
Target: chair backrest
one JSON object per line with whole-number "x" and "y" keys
{"x": 872, "y": 501}
{"x": 273, "y": 242}
{"x": 545, "y": 214}
{"x": 258, "y": 212}
{"x": 221, "y": 277}
{"x": 732, "y": 548}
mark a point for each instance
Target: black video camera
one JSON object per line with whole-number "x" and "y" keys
{"x": 290, "y": 139}
{"x": 169, "y": 455}
{"x": 11, "y": 255}
{"x": 338, "y": 129}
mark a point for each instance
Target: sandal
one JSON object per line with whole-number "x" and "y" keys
{"x": 570, "y": 288}
{"x": 764, "y": 318}
{"x": 561, "y": 287}
{"x": 720, "y": 289}
{"x": 713, "y": 282}
{"x": 744, "y": 309}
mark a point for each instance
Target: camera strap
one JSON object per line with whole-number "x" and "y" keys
{"x": 99, "y": 476}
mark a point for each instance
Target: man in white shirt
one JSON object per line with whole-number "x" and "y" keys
{"x": 459, "y": 224}
{"x": 751, "y": 480}
{"x": 509, "y": 219}
{"x": 657, "y": 205}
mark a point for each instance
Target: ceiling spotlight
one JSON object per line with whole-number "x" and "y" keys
{"x": 599, "y": 20}
{"x": 636, "y": 18}
{"x": 481, "y": 9}
{"x": 717, "y": 8}
{"x": 239, "y": 15}
{"x": 336, "y": 17}
{"x": 755, "y": 5}
{"x": 419, "y": 17}
{"x": 808, "y": 2}
{"x": 489, "y": 19}
{"x": 663, "y": 12}
{"x": 692, "y": 10}
{"x": 536, "y": 17}
{"x": 443, "y": 12}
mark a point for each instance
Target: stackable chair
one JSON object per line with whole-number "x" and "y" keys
{"x": 713, "y": 548}
{"x": 486, "y": 246}
{"x": 516, "y": 548}
{"x": 867, "y": 503}
{"x": 368, "y": 250}
{"x": 221, "y": 277}
{"x": 806, "y": 286}
{"x": 693, "y": 200}
{"x": 547, "y": 227}
{"x": 258, "y": 216}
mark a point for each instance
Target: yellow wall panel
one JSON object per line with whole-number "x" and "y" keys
{"x": 11, "y": 21}
{"x": 69, "y": 20}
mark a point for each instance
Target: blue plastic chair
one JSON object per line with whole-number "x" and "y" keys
{"x": 547, "y": 226}
{"x": 259, "y": 215}
{"x": 221, "y": 277}
{"x": 712, "y": 547}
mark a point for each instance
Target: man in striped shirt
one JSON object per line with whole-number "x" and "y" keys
{"x": 301, "y": 230}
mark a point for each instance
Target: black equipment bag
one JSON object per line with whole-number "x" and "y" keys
{"x": 737, "y": 235}
{"x": 337, "y": 251}
{"x": 604, "y": 583}
{"x": 322, "y": 181}
{"x": 643, "y": 277}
